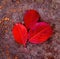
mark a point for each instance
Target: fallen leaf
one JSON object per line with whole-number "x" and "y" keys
{"x": 40, "y": 32}
{"x": 20, "y": 33}
{"x": 31, "y": 17}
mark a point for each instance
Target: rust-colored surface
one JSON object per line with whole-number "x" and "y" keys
{"x": 11, "y": 12}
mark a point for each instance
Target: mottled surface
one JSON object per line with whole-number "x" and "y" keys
{"x": 12, "y": 11}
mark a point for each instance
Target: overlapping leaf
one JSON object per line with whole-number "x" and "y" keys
{"x": 30, "y": 18}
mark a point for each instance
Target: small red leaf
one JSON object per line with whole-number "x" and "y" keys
{"x": 40, "y": 32}
{"x": 20, "y": 33}
{"x": 30, "y": 18}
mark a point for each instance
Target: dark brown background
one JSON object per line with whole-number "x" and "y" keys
{"x": 12, "y": 11}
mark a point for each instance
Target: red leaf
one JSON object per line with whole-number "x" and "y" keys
{"x": 40, "y": 32}
{"x": 20, "y": 33}
{"x": 30, "y": 18}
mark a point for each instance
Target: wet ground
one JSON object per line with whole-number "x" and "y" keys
{"x": 11, "y": 12}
